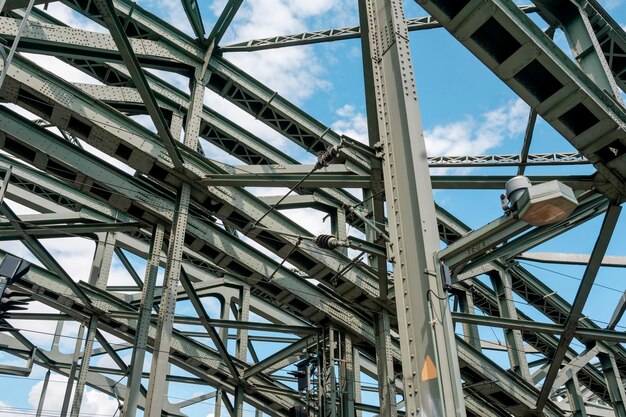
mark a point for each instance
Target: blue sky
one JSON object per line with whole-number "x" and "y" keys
{"x": 465, "y": 110}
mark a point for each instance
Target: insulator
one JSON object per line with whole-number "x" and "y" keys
{"x": 326, "y": 157}
{"x": 326, "y": 241}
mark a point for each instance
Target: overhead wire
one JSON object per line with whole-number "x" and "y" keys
{"x": 606, "y": 287}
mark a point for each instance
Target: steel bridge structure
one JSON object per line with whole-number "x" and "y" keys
{"x": 303, "y": 319}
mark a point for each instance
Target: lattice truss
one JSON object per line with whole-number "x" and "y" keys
{"x": 229, "y": 306}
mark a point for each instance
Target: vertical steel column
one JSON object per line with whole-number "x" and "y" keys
{"x": 99, "y": 276}
{"x": 102, "y": 260}
{"x": 375, "y": 204}
{"x": 242, "y": 343}
{"x": 3, "y": 188}
{"x": 501, "y": 281}
{"x": 338, "y": 227}
{"x": 614, "y": 383}
{"x": 224, "y": 336}
{"x": 239, "y": 401}
{"x": 176, "y": 124}
{"x": 384, "y": 366}
{"x": 218, "y": 403}
{"x": 329, "y": 392}
{"x": 576, "y": 402}
{"x": 356, "y": 365}
{"x": 167, "y": 307}
{"x": 84, "y": 367}
{"x": 42, "y": 397}
{"x": 346, "y": 377}
{"x": 165, "y": 322}
{"x": 57, "y": 336}
{"x": 143, "y": 324}
{"x": 72, "y": 374}
{"x": 432, "y": 383}
{"x": 244, "y": 315}
{"x": 470, "y": 331}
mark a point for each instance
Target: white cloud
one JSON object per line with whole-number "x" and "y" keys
{"x": 94, "y": 402}
{"x": 60, "y": 68}
{"x": 351, "y": 123}
{"x": 244, "y": 120}
{"x": 70, "y": 17}
{"x": 6, "y": 410}
{"x": 468, "y": 136}
{"x": 475, "y": 136}
{"x": 295, "y": 73}
{"x": 170, "y": 11}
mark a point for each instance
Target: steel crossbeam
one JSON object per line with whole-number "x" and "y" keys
{"x": 331, "y": 35}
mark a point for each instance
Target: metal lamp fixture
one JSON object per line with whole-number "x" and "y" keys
{"x": 540, "y": 204}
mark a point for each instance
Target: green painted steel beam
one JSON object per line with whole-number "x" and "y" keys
{"x": 192, "y": 10}
{"x": 447, "y": 182}
{"x": 287, "y": 180}
{"x": 588, "y": 209}
{"x": 233, "y": 324}
{"x": 331, "y": 35}
{"x": 52, "y": 231}
{"x": 108, "y": 14}
{"x": 219, "y": 131}
{"x": 571, "y": 323}
{"x": 485, "y": 300}
{"x": 133, "y": 144}
{"x": 570, "y": 258}
{"x": 610, "y": 336}
{"x": 227, "y": 16}
{"x": 64, "y": 41}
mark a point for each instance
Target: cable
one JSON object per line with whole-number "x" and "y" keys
{"x": 273, "y": 207}
{"x": 434, "y": 294}
{"x": 293, "y": 249}
{"x": 363, "y": 384}
{"x": 45, "y": 412}
{"x": 492, "y": 329}
{"x": 571, "y": 277}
